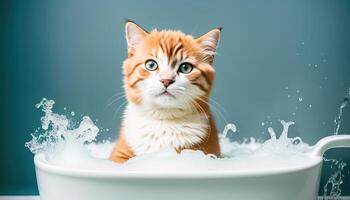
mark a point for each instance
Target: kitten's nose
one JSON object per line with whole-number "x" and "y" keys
{"x": 167, "y": 82}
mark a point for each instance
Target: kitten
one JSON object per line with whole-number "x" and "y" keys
{"x": 167, "y": 79}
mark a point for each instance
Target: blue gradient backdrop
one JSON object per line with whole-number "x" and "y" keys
{"x": 72, "y": 51}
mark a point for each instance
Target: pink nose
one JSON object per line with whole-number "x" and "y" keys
{"x": 167, "y": 82}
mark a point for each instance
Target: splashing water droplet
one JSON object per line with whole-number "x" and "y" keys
{"x": 272, "y": 133}
{"x": 335, "y": 181}
{"x": 229, "y": 127}
{"x": 57, "y": 129}
{"x": 338, "y": 118}
{"x": 284, "y": 135}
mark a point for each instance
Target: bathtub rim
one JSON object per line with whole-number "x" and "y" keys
{"x": 39, "y": 161}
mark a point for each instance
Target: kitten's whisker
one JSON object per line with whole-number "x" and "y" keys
{"x": 217, "y": 103}
{"x": 114, "y": 101}
{"x": 206, "y": 116}
{"x": 217, "y": 106}
{"x": 116, "y": 94}
{"x": 116, "y": 98}
{"x": 216, "y": 110}
{"x": 120, "y": 106}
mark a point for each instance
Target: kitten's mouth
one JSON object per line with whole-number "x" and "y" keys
{"x": 165, "y": 93}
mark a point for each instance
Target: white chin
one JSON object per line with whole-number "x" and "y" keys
{"x": 167, "y": 101}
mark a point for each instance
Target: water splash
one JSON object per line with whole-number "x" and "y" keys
{"x": 56, "y": 130}
{"x": 284, "y": 135}
{"x": 73, "y": 145}
{"x": 338, "y": 118}
{"x": 229, "y": 127}
{"x": 336, "y": 180}
{"x": 282, "y": 145}
{"x": 332, "y": 190}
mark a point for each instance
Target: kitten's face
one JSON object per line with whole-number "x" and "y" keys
{"x": 168, "y": 69}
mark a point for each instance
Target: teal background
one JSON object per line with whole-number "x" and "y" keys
{"x": 72, "y": 52}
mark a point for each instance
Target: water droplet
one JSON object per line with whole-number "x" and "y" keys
{"x": 309, "y": 65}
{"x": 310, "y": 106}
{"x": 302, "y": 43}
{"x": 338, "y": 118}
{"x": 72, "y": 113}
{"x": 262, "y": 124}
{"x": 107, "y": 129}
{"x": 293, "y": 113}
{"x": 64, "y": 108}
{"x": 300, "y": 99}
{"x": 316, "y": 65}
{"x": 286, "y": 87}
{"x": 288, "y": 95}
{"x": 298, "y": 91}
{"x": 229, "y": 127}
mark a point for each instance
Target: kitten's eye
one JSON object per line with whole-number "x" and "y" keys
{"x": 185, "y": 68}
{"x": 151, "y": 65}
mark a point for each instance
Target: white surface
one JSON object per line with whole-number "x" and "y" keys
{"x": 37, "y": 198}
{"x": 334, "y": 141}
{"x": 296, "y": 183}
{"x": 19, "y": 198}
{"x": 57, "y": 183}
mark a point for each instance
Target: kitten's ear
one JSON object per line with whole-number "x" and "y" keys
{"x": 209, "y": 42}
{"x": 134, "y": 34}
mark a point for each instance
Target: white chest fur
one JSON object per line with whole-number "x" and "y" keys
{"x": 146, "y": 133}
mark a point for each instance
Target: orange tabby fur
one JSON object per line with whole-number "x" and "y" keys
{"x": 176, "y": 46}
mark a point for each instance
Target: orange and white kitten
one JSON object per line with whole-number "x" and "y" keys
{"x": 167, "y": 79}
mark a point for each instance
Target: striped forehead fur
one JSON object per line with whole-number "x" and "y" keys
{"x": 173, "y": 47}
{"x": 168, "y": 77}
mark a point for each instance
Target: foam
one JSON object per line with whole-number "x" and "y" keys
{"x": 68, "y": 146}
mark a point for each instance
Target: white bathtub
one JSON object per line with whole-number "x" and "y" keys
{"x": 299, "y": 183}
